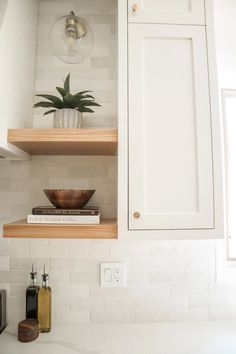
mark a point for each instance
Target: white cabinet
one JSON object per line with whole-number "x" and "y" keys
{"x": 170, "y": 154}
{"x": 167, "y": 11}
{"x": 18, "y": 21}
{"x": 170, "y": 146}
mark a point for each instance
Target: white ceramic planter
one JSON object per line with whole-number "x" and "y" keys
{"x": 67, "y": 118}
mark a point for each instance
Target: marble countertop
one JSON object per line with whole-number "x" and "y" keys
{"x": 156, "y": 338}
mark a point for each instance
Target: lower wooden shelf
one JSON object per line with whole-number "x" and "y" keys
{"x": 21, "y": 229}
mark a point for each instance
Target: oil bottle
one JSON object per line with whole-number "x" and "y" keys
{"x": 44, "y": 304}
{"x": 32, "y": 296}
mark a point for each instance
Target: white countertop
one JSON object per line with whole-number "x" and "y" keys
{"x": 162, "y": 338}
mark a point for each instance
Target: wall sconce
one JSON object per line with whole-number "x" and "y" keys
{"x": 71, "y": 39}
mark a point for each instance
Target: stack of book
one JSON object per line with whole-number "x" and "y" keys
{"x": 52, "y": 215}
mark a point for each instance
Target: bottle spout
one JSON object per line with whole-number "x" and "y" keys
{"x": 45, "y": 275}
{"x": 33, "y": 273}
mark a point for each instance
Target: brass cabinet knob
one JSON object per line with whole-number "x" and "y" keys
{"x": 135, "y": 7}
{"x": 136, "y": 215}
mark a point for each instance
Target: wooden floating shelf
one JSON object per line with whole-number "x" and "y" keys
{"x": 99, "y": 141}
{"x": 21, "y": 229}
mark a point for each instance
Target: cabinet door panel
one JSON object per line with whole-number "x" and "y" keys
{"x": 170, "y": 154}
{"x": 167, "y": 11}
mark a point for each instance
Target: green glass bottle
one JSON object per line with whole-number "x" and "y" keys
{"x": 44, "y": 305}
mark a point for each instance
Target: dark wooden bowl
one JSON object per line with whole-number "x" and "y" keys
{"x": 69, "y": 198}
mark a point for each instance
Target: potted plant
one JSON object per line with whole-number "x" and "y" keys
{"x": 68, "y": 108}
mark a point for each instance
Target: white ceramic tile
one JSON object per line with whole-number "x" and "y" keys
{"x": 198, "y": 301}
{"x": 4, "y": 263}
{"x": 77, "y": 277}
{"x": 149, "y": 316}
{"x": 109, "y": 317}
{"x": 189, "y": 315}
{"x": 81, "y": 251}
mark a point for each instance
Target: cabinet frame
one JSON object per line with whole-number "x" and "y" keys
{"x": 195, "y": 15}
{"x": 123, "y": 147}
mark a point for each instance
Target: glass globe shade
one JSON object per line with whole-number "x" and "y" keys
{"x": 71, "y": 39}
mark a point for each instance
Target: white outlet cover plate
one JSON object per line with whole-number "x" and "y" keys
{"x": 113, "y": 274}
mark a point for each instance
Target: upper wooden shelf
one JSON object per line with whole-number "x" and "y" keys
{"x": 96, "y": 141}
{"x": 106, "y": 230}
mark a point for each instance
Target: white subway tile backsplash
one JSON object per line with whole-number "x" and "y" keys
{"x": 98, "y": 304}
{"x": 49, "y": 251}
{"x": 15, "y": 316}
{"x": 138, "y": 277}
{"x": 14, "y": 251}
{"x": 17, "y": 290}
{"x": 188, "y": 288}
{"x": 189, "y": 315}
{"x": 25, "y": 263}
{"x": 4, "y": 263}
{"x": 198, "y": 301}
{"x": 79, "y": 304}
{"x": 161, "y": 249}
{"x": 149, "y": 316}
{"x": 160, "y": 276}
{"x": 97, "y": 291}
{"x": 15, "y": 302}
{"x": 138, "y": 290}
{"x": 157, "y": 290}
{"x": 109, "y": 317}
{"x": 189, "y": 263}
{"x": 80, "y": 251}
{"x": 79, "y": 277}
{"x": 98, "y": 251}
{"x": 221, "y": 314}
{"x": 78, "y": 290}
{"x": 70, "y": 317}
{"x": 169, "y": 302}
{"x": 59, "y": 277}
{"x": 121, "y": 304}
{"x": 11, "y": 277}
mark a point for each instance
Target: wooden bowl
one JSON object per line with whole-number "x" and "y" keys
{"x": 69, "y": 198}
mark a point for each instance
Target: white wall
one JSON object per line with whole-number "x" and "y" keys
{"x": 167, "y": 280}
{"x": 17, "y": 63}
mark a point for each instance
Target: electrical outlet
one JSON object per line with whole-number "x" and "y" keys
{"x": 113, "y": 274}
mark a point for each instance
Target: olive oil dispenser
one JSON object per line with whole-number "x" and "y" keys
{"x": 32, "y": 296}
{"x": 44, "y": 304}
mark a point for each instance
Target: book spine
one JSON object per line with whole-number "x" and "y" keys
{"x": 64, "y": 212}
{"x": 63, "y": 219}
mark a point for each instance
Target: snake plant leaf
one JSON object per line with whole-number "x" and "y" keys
{"x": 85, "y": 110}
{"x": 48, "y": 112}
{"x": 67, "y": 83}
{"x": 82, "y": 96}
{"x": 57, "y": 101}
{"x": 69, "y": 101}
{"x": 87, "y": 96}
{"x": 89, "y": 103}
{"x": 62, "y": 91}
{"x": 44, "y": 104}
{"x": 83, "y": 92}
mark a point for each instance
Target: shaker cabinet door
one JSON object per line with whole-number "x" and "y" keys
{"x": 167, "y": 11}
{"x": 170, "y": 152}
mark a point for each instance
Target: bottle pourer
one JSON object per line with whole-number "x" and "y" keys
{"x": 45, "y": 275}
{"x": 33, "y": 273}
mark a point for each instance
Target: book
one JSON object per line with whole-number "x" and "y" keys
{"x": 63, "y": 219}
{"x": 49, "y": 210}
